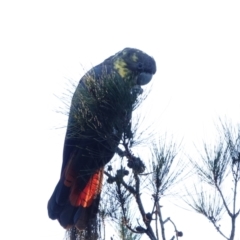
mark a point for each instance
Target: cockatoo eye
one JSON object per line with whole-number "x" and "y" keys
{"x": 140, "y": 66}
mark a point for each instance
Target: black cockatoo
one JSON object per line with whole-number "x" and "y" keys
{"x": 100, "y": 113}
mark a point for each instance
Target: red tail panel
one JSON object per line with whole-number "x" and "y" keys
{"x": 69, "y": 178}
{"x": 85, "y": 197}
{"x": 69, "y": 174}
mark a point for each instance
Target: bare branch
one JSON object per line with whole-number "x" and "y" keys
{"x": 224, "y": 201}
{"x": 158, "y": 208}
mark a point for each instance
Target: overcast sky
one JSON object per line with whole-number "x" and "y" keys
{"x": 44, "y": 44}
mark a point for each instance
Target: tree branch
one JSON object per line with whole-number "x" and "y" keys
{"x": 223, "y": 199}
{"x": 218, "y": 229}
{"x": 149, "y": 230}
{"x": 161, "y": 220}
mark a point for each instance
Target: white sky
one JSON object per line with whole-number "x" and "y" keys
{"x": 43, "y": 44}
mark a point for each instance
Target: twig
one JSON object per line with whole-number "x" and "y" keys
{"x": 174, "y": 227}
{"x": 161, "y": 220}
{"x": 218, "y": 229}
{"x": 223, "y": 199}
